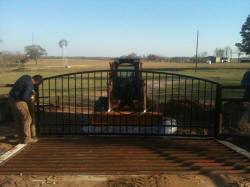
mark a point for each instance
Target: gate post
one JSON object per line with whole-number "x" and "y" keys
{"x": 218, "y": 118}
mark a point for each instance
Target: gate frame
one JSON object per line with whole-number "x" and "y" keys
{"x": 218, "y": 99}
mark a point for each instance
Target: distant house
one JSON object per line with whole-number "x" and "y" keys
{"x": 214, "y": 59}
{"x": 217, "y": 59}
{"x": 210, "y": 59}
{"x": 224, "y": 59}
{"x": 245, "y": 60}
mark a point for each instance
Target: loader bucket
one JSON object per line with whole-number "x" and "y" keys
{"x": 127, "y": 118}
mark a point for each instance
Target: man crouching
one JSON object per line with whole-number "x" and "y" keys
{"x": 19, "y": 99}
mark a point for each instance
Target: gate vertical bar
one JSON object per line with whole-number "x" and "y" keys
{"x": 151, "y": 125}
{"x": 185, "y": 101}
{"x": 75, "y": 104}
{"x": 172, "y": 101}
{"x": 197, "y": 110}
{"x": 62, "y": 106}
{"x": 43, "y": 106}
{"x": 69, "y": 121}
{"x": 217, "y": 110}
{"x": 191, "y": 107}
{"x": 82, "y": 112}
{"x": 56, "y": 104}
{"x": 101, "y": 128}
{"x": 159, "y": 101}
{"x": 211, "y": 117}
{"x": 37, "y": 119}
{"x": 178, "y": 102}
{"x": 88, "y": 105}
{"x": 166, "y": 86}
{"x": 49, "y": 106}
{"x": 94, "y": 131}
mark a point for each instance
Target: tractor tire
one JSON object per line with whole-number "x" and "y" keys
{"x": 101, "y": 105}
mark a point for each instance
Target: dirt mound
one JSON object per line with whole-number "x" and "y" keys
{"x": 236, "y": 118}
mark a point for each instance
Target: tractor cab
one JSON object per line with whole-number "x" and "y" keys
{"x": 125, "y": 67}
{"x": 126, "y": 63}
{"x": 126, "y": 101}
{"x": 126, "y": 85}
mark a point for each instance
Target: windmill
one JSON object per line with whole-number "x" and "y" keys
{"x": 63, "y": 44}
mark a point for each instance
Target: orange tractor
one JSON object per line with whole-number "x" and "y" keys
{"x": 127, "y": 102}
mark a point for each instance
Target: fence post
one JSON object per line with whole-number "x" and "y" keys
{"x": 218, "y": 111}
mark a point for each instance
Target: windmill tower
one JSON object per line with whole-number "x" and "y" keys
{"x": 63, "y": 44}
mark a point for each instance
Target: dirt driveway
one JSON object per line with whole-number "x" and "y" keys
{"x": 7, "y": 137}
{"x": 8, "y": 140}
{"x": 126, "y": 181}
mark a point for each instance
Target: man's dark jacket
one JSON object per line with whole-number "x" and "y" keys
{"x": 22, "y": 88}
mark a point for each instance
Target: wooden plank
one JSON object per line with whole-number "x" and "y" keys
{"x": 235, "y": 148}
{"x": 11, "y": 153}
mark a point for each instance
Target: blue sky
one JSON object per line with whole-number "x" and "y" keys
{"x": 119, "y": 27}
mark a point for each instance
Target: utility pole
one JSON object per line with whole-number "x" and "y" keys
{"x": 196, "y": 58}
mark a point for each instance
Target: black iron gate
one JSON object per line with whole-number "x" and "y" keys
{"x": 187, "y": 106}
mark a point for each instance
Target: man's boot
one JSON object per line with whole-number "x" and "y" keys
{"x": 30, "y": 140}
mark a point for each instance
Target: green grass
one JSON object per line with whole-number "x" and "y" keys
{"x": 226, "y": 74}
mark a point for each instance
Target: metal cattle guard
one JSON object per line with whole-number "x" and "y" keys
{"x": 176, "y": 105}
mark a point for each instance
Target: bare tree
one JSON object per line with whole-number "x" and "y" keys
{"x": 8, "y": 59}
{"x": 202, "y": 56}
{"x": 228, "y": 52}
{"x": 239, "y": 53}
{"x": 219, "y": 52}
{"x": 132, "y": 55}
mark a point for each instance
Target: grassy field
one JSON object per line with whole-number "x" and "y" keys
{"x": 226, "y": 74}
